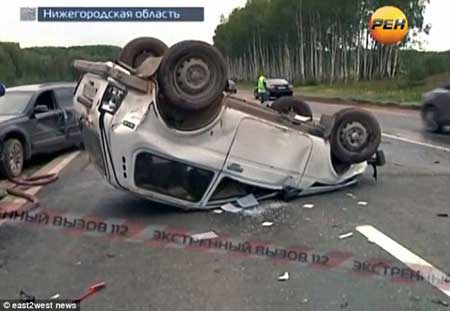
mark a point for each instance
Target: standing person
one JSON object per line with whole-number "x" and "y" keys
{"x": 262, "y": 91}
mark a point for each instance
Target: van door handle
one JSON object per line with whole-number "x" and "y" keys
{"x": 235, "y": 167}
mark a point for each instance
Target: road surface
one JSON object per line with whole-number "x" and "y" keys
{"x": 142, "y": 274}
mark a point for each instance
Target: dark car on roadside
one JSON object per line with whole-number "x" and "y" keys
{"x": 277, "y": 88}
{"x": 436, "y": 108}
{"x": 35, "y": 119}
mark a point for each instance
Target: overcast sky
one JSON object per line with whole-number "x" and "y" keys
{"x": 67, "y": 34}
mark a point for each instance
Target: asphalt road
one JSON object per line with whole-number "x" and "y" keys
{"x": 142, "y": 275}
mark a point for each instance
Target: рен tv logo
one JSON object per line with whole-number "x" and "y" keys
{"x": 388, "y": 25}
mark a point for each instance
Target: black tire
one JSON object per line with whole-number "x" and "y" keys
{"x": 135, "y": 52}
{"x": 192, "y": 75}
{"x": 355, "y": 137}
{"x": 12, "y": 158}
{"x": 429, "y": 116}
{"x": 286, "y": 105}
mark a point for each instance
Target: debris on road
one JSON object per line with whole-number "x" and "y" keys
{"x": 350, "y": 195}
{"x": 363, "y": 203}
{"x": 91, "y": 290}
{"x": 267, "y": 224}
{"x": 25, "y": 297}
{"x": 78, "y": 263}
{"x": 55, "y": 296}
{"x": 248, "y": 201}
{"x": 344, "y": 305}
{"x": 346, "y": 235}
{"x": 444, "y": 215}
{"x": 217, "y": 211}
{"x": 305, "y": 301}
{"x": 308, "y": 206}
{"x": 230, "y": 208}
{"x": 283, "y": 277}
{"x": 440, "y": 302}
{"x": 110, "y": 255}
{"x": 204, "y": 236}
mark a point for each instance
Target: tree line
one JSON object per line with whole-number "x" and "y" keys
{"x": 312, "y": 41}
{"x": 46, "y": 64}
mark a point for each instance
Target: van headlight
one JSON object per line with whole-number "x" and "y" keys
{"x": 112, "y": 99}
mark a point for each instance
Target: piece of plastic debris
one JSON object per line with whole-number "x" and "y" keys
{"x": 284, "y": 277}
{"x": 91, "y": 290}
{"x": 248, "y": 201}
{"x": 110, "y": 255}
{"x": 25, "y": 297}
{"x": 346, "y": 235}
{"x": 308, "y": 206}
{"x": 305, "y": 301}
{"x": 444, "y": 215}
{"x": 350, "y": 195}
{"x": 217, "y": 211}
{"x": 308, "y": 219}
{"x": 440, "y": 302}
{"x": 78, "y": 263}
{"x": 55, "y": 296}
{"x": 230, "y": 208}
{"x": 204, "y": 236}
{"x": 363, "y": 203}
{"x": 267, "y": 224}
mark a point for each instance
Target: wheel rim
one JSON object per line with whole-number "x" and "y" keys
{"x": 15, "y": 159}
{"x": 193, "y": 75}
{"x": 354, "y": 136}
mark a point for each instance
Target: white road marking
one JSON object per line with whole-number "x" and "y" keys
{"x": 411, "y": 141}
{"x": 431, "y": 274}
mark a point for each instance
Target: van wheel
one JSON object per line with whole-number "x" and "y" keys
{"x": 192, "y": 75}
{"x": 287, "y": 105}
{"x": 12, "y": 158}
{"x": 355, "y": 137}
{"x": 135, "y": 52}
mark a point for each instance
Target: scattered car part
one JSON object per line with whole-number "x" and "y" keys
{"x": 204, "y": 236}
{"x": 91, "y": 291}
{"x": 363, "y": 203}
{"x": 283, "y": 277}
{"x": 289, "y": 105}
{"x": 25, "y": 297}
{"x": 135, "y": 52}
{"x": 345, "y": 235}
{"x": 267, "y": 224}
{"x": 308, "y": 206}
{"x": 247, "y": 201}
{"x": 230, "y": 208}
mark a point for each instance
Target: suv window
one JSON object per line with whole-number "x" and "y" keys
{"x": 171, "y": 178}
{"x": 64, "y": 97}
{"x": 46, "y": 99}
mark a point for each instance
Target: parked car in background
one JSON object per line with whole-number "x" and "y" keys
{"x": 277, "y": 88}
{"x": 35, "y": 119}
{"x": 436, "y": 108}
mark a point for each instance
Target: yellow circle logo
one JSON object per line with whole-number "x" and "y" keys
{"x": 388, "y": 25}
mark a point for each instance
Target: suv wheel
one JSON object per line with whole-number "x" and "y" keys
{"x": 12, "y": 158}
{"x": 355, "y": 137}
{"x": 192, "y": 75}
{"x": 429, "y": 116}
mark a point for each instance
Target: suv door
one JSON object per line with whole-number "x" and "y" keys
{"x": 48, "y": 127}
{"x": 64, "y": 99}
